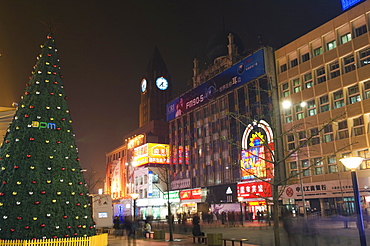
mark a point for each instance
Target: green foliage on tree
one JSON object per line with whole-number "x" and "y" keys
{"x": 42, "y": 189}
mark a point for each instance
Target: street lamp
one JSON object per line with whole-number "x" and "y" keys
{"x": 352, "y": 163}
{"x": 240, "y": 200}
{"x": 286, "y": 105}
{"x": 134, "y": 196}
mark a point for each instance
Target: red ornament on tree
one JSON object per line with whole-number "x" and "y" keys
{"x": 69, "y": 227}
{"x": 26, "y": 115}
{"x": 12, "y": 230}
{"x": 27, "y": 227}
{"x": 42, "y": 225}
{"x": 55, "y": 82}
{"x": 43, "y": 192}
{"x": 1, "y": 193}
{"x": 28, "y": 156}
{"x": 32, "y": 139}
{"x": 32, "y": 106}
{"x": 19, "y": 218}
{"x": 16, "y": 167}
{"x": 37, "y": 202}
{"x": 65, "y": 216}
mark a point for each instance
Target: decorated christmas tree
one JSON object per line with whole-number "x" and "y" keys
{"x": 42, "y": 189}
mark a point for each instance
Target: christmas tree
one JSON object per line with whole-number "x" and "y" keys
{"x": 42, "y": 190}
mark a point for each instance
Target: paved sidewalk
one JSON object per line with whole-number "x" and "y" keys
{"x": 328, "y": 233}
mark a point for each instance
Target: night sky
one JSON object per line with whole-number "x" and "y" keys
{"x": 104, "y": 47}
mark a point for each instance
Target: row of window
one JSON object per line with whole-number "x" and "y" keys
{"x": 334, "y": 100}
{"x": 330, "y": 71}
{"x": 323, "y": 165}
{"x": 326, "y": 43}
{"x": 327, "y": 134}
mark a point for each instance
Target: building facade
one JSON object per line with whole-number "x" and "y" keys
{"x": 327, "y": 70}
{"x": 210, "y": 149}
{"x": 129, "y": 166}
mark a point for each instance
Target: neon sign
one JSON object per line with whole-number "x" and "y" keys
{"x": 257, "y": 153}
{"x": 259, "y": 189}
{"x": 151, "y": 153}
{"x": 45, "y": 125}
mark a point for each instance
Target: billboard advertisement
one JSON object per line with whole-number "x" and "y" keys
{"x": 347, "y": 4}
{"x": 151, "y": 153}
{"x": 257, "y": 153}
{"x": 191, "y": 194}
{"x": 256, "y": 189}
{"x": 244, "y": 71}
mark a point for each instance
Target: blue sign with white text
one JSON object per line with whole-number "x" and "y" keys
{"x": 244, "y": 71}
{"x": 346, "y": 4}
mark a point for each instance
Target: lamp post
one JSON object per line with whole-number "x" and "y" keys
{"x": 352, "y": 163}
{"x": 287, "y": 105}
{"x": 134, "y": 196}
{"x": 240, "y": 200}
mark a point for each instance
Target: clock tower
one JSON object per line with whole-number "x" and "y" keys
{"x": 155, "y": 89}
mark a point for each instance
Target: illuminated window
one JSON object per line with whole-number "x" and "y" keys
{"x": 338, "y": 99}
{"x": 288, "y": 115}
{"x": 318, "y": 166}
{"x": 367, "y": 90}
{"x": 324, "y": 103}
{"x": 299, "y": 112}
{"x": 305, "y": 167}
{"x": 296, "y": 85}
{"x": 358, "y": 126}
{"x": 328, "y": 133}
{"x": 332, "y": 164}
{"x": 285, "y": 89}
{"x": 307, "y": 78}
{"x": 320, "y": 75}
{"x": 366, "y": 155}
{"x": 354, "y": 94}
{"x": 349, "y": 63}
{"x": 331, "y": 45}
{"x": 311, "y": 107}
{"x": 343, "y": 129}
{"x": 334, "y": 70}
{"x": 364, "y": 56}
{"x": 293, "y": 169}
{"x": 345, "y": 38}
{"x": 317, "y": 51}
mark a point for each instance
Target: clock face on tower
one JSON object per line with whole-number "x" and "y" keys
{"x": 143, "y": 85}
{"x": 162, "y": 83}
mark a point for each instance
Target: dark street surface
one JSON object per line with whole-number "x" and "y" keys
{"x": 319, "y": 232}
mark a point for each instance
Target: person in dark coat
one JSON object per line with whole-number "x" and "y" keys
{"x": 196, "y": 229}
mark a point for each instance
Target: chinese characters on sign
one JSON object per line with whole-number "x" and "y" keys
{"x": 258, "y": 189}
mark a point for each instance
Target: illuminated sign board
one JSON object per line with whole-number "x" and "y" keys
{"x": 151, "y": 153}
{"x": 244, "y": 71}
{"x": 135, "y": 141}
{"x": 174, "y": 195}
{"x": 346, "y": 4}
{"x": 257, "y": 153}
{"x": 40, "y": 125}
{"x": 258, "y": 189}
{"x": 191, "y": 194}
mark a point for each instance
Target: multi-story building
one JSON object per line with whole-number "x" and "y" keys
{"x": 129, "y": 166}
{"x": 327, "y": 69}
{"x": 211, "y": 150}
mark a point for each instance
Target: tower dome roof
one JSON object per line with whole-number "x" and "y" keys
{"x": 217, "y": 45}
